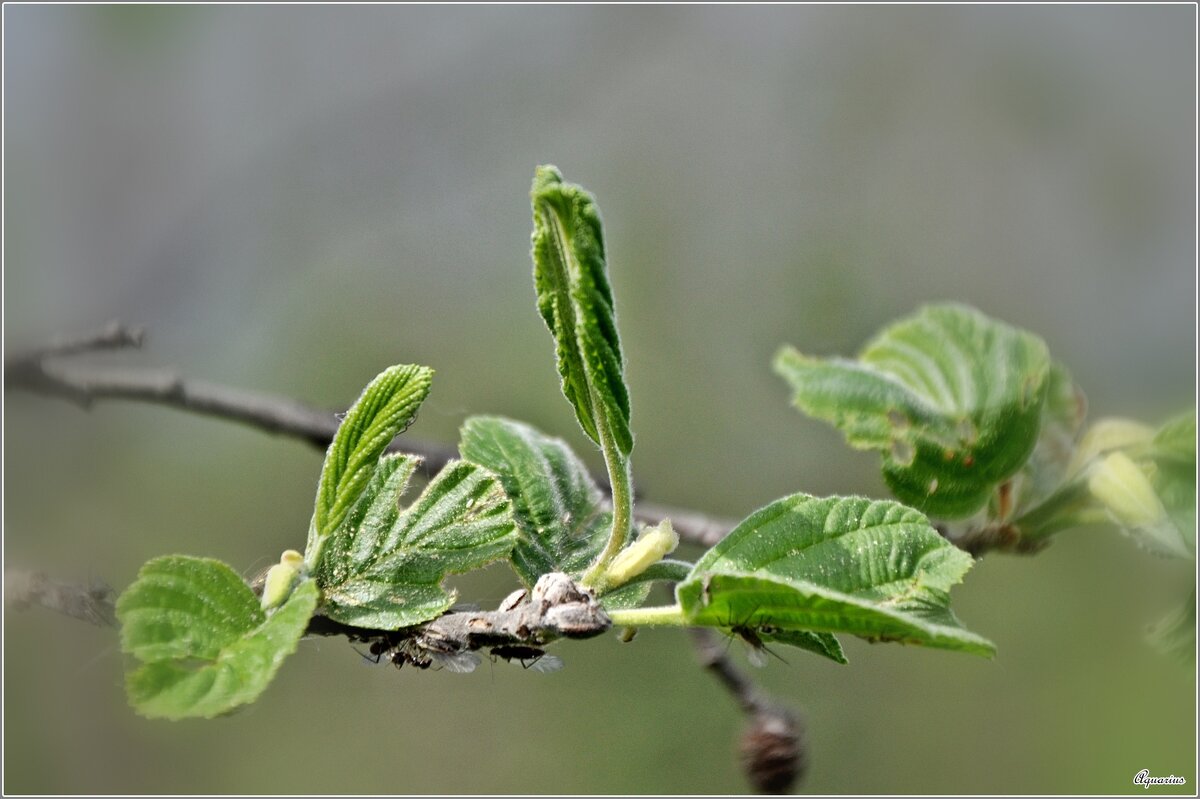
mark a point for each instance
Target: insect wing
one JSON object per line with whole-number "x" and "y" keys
{"x": 456, "y": 662}
{"x": 546, "y": 664}
{"x": 757, "y": 655}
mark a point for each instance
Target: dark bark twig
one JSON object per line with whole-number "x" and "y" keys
{"x": 714, "y": 657}
{"x": 772, "y": 748}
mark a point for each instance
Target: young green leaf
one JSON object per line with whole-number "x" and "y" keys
{"x": 387, "y": 406}
{"x": 576, "y": 302}
{"x": 383, "y": 568}
{"x": 204, "y": 644}
{"x": 559, "y": 512}
{"x": 875, "y": 569}
{"x": 950, "y": 398}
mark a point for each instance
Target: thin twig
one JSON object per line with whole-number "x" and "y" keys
{"x": 93, "y": 603}
{"x": 113, "y": 336}
{"x": 30, "y": 371}
{"x": 714, "y": 657}
{"x": 772, "y": 745}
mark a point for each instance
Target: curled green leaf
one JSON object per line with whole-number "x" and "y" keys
{"x": 575, "y": 299}
{"x": 951, "y": 399}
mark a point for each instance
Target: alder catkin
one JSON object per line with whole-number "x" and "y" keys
{"x": 773, "y": 751}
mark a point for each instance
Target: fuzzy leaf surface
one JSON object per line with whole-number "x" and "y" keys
{"x": 570, "y": 275}
{"x": 561, "y": 520}
{"x": 875, "y": 569}
{"x": 205, "y": 646}
{"x": 386, "y": 407}
{"x": 384, "y": 566}
{"x": 951, "y": 399}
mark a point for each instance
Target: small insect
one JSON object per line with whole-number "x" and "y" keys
{"x": 757, "y": 651}
{"x": 375, "y": 652}
{"x": 455, "y": 662}
{"x": 445, "y": 654}
{"x": 530, "y": 657}
{"x": 422, "y": 654}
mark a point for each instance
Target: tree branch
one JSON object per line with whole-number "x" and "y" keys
{"x": 556, "y": 607}
{"x": 30, "y": 371}
{"x": 772, "y": 746}
{"x": 113, "y": 336}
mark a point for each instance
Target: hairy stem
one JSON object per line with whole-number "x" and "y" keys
{"x": 661, "y": 616}
{"x": 622, "y": 500}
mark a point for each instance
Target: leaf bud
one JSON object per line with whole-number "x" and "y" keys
{"x": 653, "y": 545}
{"x": 282, "y": 579}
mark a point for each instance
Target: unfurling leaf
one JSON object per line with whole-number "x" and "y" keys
{"x": 559, "y": 512}
{"x": 570, "y": 276}
{"x": 387, "y": 406}
{"x": 950, "y": 398}
{"x": 204, "y": 644}
{"x": 875, "y": 569}
{"x": 383, "y": 567}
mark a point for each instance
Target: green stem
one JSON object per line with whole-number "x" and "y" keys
{"x": 664, "y": 616}
{"x": 622, "y": 500}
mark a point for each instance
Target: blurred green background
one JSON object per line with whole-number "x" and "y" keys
{"x": 293, "y": 198}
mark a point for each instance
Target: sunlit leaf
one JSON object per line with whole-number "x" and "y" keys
{"x": 384, "y": 567}
{"x": 387, "y": 406}
{"x": 561, "y": 520}
{"x": 204, "y": 644}
{"x": 951, "y": 399}
{"x": 575, "y": 300}
{"x": 837, "y": 565}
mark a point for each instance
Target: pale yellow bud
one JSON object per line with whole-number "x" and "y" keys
{"x": 1123, "y": 488}
{"x": 1126, "y": 492}
{"x": 652, "y": 547}
{"x": 282, "y": 579}
{"x": 1107, "y": 435}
